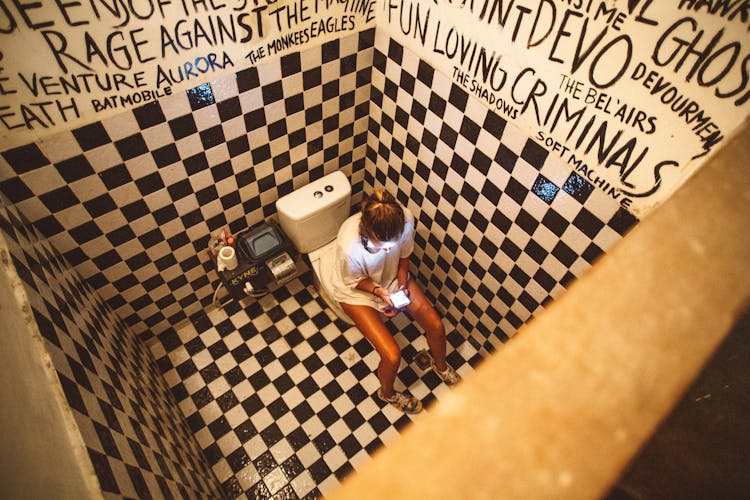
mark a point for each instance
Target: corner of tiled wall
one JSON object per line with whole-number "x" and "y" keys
{"x": 504, "y": 227}
{"x": 136, "y": 439}
{"x": 132, "y": 200}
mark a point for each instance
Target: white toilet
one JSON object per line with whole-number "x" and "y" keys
{"x": 311, "y": 216}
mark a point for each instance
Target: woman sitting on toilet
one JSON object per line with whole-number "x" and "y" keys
{"x": 371, "y": 262}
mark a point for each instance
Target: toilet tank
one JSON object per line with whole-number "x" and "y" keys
{"x": 311, "y": 215}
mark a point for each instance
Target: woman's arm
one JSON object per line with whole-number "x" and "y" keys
{"x": 368, "y": 286}
{"x": 402, "y": 275}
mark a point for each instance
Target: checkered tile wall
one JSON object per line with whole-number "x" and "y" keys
{"x": 136, "y": 438}
{"x": 131, "y": 200}
{"x": 503, "y": 225}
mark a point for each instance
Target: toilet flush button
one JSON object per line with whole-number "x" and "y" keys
{"x": 317, "y": 194}
{"x": 328, "y": 188}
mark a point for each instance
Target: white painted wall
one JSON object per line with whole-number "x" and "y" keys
{"x": 562, "y": 69}
{"x": 632, "y": 94}
{"x": 65, "y": 64}
{"x": 42, "y": 454}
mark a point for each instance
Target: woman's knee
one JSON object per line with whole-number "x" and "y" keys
{"x": 390, "y": 355}
{"x": 372, "y": 327}
{"x": 429, "y": 319}
{"x": 435, "y": 328}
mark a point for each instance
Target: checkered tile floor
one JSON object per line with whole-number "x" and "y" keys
{"x": 281, "y": 395}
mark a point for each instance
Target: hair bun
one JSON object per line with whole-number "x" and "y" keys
{"x": 382, "y": 216}
{"x": 380, "y": 195}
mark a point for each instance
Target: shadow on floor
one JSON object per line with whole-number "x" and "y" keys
{"x": 702, "y": 450}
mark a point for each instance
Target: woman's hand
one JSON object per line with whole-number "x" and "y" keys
{"x": 384, "y": 295}
{"x": 389, "y": 311}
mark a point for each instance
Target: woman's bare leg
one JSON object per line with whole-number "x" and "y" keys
{"x": 428, "y": 318}
{"x": 372, "y": 327}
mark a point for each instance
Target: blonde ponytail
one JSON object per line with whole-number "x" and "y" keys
{"x": 382, "y": 216}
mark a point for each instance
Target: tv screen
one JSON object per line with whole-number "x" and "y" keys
{"x": 263, "y": 242}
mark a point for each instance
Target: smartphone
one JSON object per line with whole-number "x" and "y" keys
{"x": 399, "y": 299}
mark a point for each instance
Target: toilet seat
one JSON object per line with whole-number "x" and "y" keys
{"x": 314, "y": 257}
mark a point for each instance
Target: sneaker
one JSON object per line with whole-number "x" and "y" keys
{"x": 449, "y": 376}
{"x": 404, "y": 402}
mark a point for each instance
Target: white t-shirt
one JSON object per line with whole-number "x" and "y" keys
{"x": 348, "y": 262}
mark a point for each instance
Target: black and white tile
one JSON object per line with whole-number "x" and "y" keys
{"x": 504, "y": 226}
{"x": 278, "y": 394}
{"x": 131, "y": 201}
{"x": 281, "y": 395}
{"x": 136, "y": 438}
